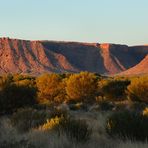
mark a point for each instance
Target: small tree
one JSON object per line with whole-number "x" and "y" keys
{"x": 82, "y": 87}
{"x": 51, "y": 88}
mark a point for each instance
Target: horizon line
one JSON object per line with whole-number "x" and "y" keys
{"x": 71, "y": 41}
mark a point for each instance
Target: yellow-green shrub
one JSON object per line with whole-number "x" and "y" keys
{"x": 51, "y": 88}
{"x": 82, "y": 87}
{"x": 138, "y": 89}
{"x": 50, "y": 124}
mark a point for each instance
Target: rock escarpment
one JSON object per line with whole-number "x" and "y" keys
{"x": 36, "y": 57}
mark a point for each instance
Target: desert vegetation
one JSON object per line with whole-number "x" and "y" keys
{"x": 73, "y": 110}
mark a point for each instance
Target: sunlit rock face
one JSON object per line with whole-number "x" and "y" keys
{"x": 140, "y": 68}
{"x": 36, "y": 57}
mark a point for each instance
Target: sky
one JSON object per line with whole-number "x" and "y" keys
{"x": 101, "y": 21}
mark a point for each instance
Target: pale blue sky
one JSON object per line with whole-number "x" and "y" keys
{"x": 113, "y": 21}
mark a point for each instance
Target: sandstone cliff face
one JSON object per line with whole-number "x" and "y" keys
{"x": 141, "y": 68}
{"x": 35, "y": 57}
{"x": 19, "y": 56}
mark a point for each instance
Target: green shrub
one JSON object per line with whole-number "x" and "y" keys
{"x": 138, "y": 89}
{"x": 128, "y": 125}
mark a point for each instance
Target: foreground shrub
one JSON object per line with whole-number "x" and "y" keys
{"x": 138, "y": 89}
{"x": 127, "y": 124}
{"x": 25, "y": 119}
{"x": 75, "y": 130}
{"x": 82, "y": 87}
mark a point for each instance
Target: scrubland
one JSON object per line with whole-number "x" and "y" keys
{"x": 73, "y": 110}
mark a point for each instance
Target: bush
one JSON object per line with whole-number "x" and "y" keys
{"x": 51, "y": 88}
{"x": 51, "y": 124}
{"x": 14, "y": 96}
{"x": 127, "y": 124}
{"x": 138, "y": 89}
{"x": 75, "y": 130}
{"x": 82, "y": 87}
{"x": 25, "y": 119}
{"x": 113, "y": 89}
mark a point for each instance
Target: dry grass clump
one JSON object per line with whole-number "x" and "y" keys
{"x": 128, "y": 125}
{"x": 74, "y": 129}
{"x": 35, "y": 138}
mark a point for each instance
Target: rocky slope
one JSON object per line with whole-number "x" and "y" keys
{"x": 141, "y": 68}
{"x": 35, "y": 57}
